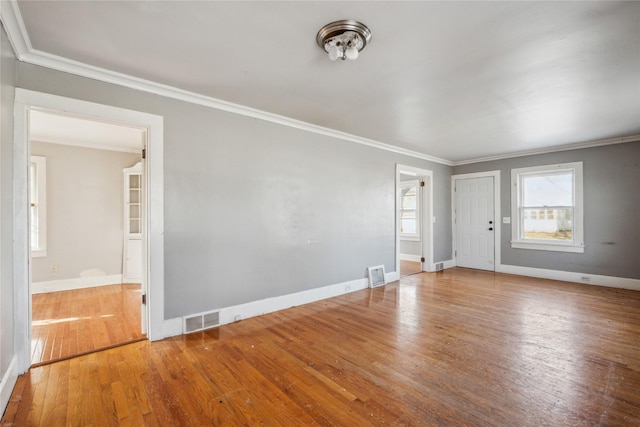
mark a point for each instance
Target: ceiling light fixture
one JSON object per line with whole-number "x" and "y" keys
{"x": 343, "y": 39}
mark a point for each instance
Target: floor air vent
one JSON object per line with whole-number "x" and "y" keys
{"x": 200, "y": 322}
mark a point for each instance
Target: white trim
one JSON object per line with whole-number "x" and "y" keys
{"x": 24, "y": 51}
{"x": 26, "y": 99}
{"x": 19, "y": 39}
{"x": 577, "y": 243}
{"x": 427, "y": 220}
{"x": 257, "y": 308}
{"x": 9, "y": 380}
{"x": 570, "y": 276}
{"x": 75, "y": 283}
{"x": 497, "y": 215}
{"x": 409, "y": 257}
{"x": 556, "y": 149}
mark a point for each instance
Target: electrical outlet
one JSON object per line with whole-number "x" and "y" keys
{"x": 54, "y": 268}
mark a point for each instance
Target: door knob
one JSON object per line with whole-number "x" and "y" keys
{"x": 490, "y": 222}
{"x": 490, "y": 228}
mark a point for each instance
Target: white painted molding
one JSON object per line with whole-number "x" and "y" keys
{"x": 19, "y": 39}
{"x": 8, "y": 383}
{"x": 568, "y": 147}
{"x": 26, "y": 53}
{"x": 409, "y": 257}
{"x": 75, "y": 283}
{"x": 231, "y": 314}
{"x": 569, "y": 276}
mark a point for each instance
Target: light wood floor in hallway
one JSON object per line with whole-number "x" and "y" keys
{"x": 459, "y": 347}
{"x": 68, "y": 323}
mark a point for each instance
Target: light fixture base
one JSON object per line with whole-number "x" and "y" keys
{"x": 343, "y": 39}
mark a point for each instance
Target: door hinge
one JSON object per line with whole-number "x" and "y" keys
{"x": 422, "y": 259}
{"x": 455, "y": 253}
{"x": 421, "y": 183}
{"x": 144, "y": 298}
{"x": 144, "y": 153}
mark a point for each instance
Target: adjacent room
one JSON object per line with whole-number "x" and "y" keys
{"x": 319, "y": 213}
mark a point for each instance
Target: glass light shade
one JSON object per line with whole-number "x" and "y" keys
{"x": 351, "y": 53}
{"x": 334, "y": 53}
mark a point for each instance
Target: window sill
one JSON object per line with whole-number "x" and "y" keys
{"x": 556, "y": 247}
{"x": 38, "y": 254}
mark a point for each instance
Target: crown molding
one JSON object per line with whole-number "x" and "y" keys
{"x": 19, "y": 38}
{"x": 568, "y": 147}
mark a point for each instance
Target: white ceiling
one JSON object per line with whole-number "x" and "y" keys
{"x": 453, "y": 80}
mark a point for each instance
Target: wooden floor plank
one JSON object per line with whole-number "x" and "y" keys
{"x": 459, "y": 347}
{"x": 69, "y": 323}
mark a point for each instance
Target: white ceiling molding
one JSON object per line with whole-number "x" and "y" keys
{"x": 19, "y": 39}
{"x": 576, "y": 146}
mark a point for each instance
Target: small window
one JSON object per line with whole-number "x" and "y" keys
{"x": 547, "y": 208}
{"x": 410, "y": 209}
{"x": 38, "y": 205}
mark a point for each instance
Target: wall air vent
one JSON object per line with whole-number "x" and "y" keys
{"x": 199, "y": 322}
{"x": 376, "y": 276}
{"x": 439, "y": 266}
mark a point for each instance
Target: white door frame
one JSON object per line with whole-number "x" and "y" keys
{"x": 25, "y": 100}
{"x": 426, "y": 225}
{"x": 496, "y": 212}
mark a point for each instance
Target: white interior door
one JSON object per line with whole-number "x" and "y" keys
{"x": 475, "y": 223}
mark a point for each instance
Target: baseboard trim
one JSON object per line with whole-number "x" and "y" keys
{"x": 408, "y": 257}
{"x": 173, "y": 327}
{"x": 569, "y": 276}
{"x": 75, "y": 283}
{"x": 9, "y": 380}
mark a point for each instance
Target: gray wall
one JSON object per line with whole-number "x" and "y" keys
{"x": 85, "y": 205}
{"x": 7, "y": 80}
{"x": 611, "y": 206}
{"x": 256, "y": 210}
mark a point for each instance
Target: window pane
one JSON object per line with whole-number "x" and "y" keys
{"x": 409, "y": 198}
{"x": 556, "y": 226}
{"x": 548, "y": 190}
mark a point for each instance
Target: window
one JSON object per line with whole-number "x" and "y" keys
{"x": 38, "y": 205}
{"x": 410, "y": 210}
{"x": 546, "y": 208}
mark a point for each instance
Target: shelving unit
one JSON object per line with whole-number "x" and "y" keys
{"x": 133, "y": 224}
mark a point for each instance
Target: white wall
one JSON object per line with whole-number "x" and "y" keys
{"x": 84, "y": 211}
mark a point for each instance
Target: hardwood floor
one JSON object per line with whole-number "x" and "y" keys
{"x": 73, "y": 322}
{"x": 407, "y": 268}
{"x": 459, "y": 347}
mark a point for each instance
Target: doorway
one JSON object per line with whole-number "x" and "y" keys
{"x": 80, "y": 297}
{"x": 475, "y": 208}
{"x": 151, "y": 313}
{"x": 414, "y": 213}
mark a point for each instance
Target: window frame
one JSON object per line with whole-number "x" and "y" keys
{"x": 576, "y": 244}
{"x": 40, "y": 206}
{"x": 408, "y": 184}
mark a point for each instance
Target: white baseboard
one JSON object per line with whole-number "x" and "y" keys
{"x": 568, "y": 276}
{"x": 75, "y": 283}
{"x": 8, "y": 383}
{"x": 172, "y": 327}
{"x": 408, "y": 257}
